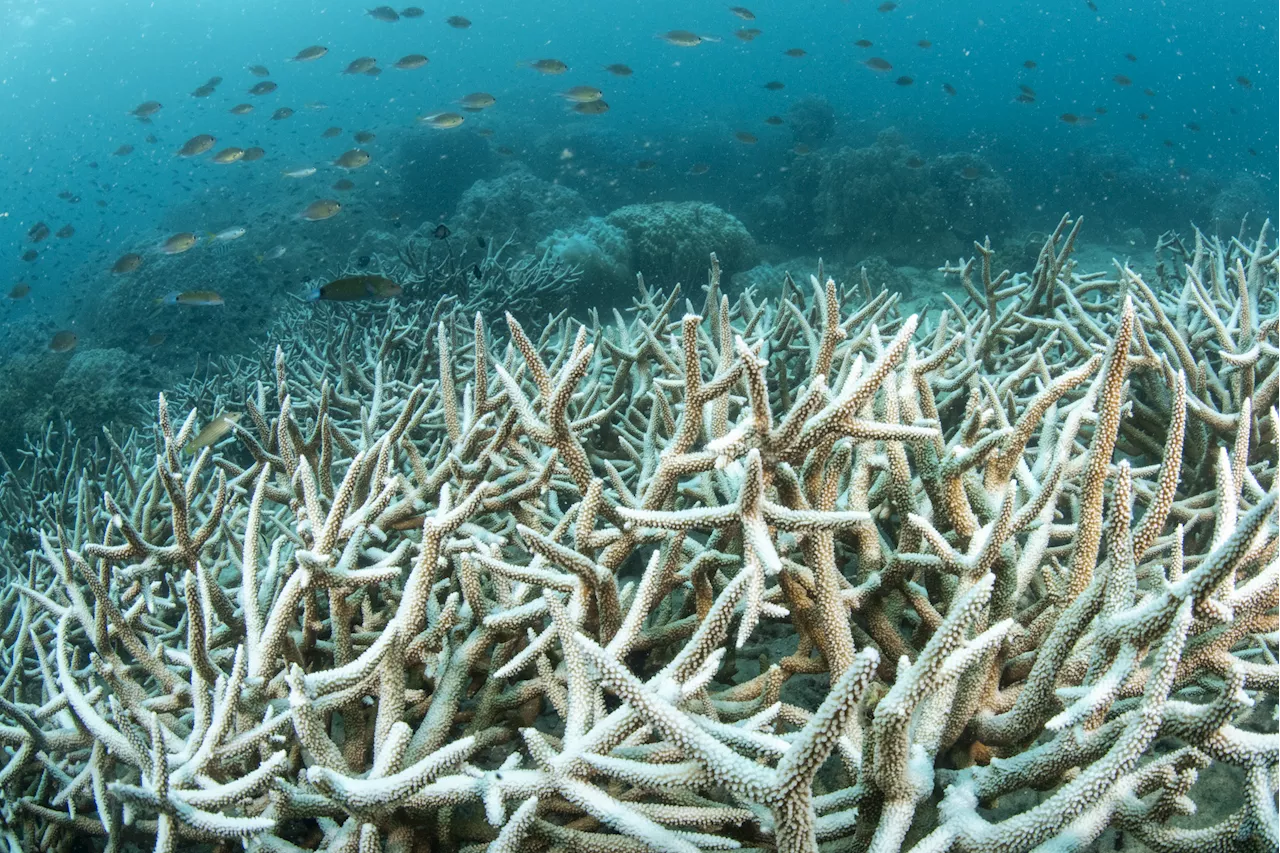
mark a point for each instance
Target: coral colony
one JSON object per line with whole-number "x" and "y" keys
{"x": 716, "y": 572}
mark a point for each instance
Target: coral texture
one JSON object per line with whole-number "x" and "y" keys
{"x": 669, "y": 241}
{"x": 444, "y": 588}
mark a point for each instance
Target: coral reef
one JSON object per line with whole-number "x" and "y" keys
{"x": 670, "y": 241}
{"x": 448, "y": 588}
{"x": 519, "y": 205}
{"x": 812, "y": 120}
{"x": 601, "y": 251}
{"x": 886, "y": 199}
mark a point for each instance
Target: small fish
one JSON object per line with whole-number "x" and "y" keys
{"x": 322, "y": 209}
{"x": 226, "y": 235}
{"x": 1149, "y": 93}
{"x": 924, "y": 44}
{"x": 582, "y": 94}
{"x": 178, "y": 243}
{"x": 308, "y": 54}
{"x": 681, "y": 38}
{"x": 127, "y": 263}
{"x": 441, "y": 121}
{"x": 259, "y": 71}
{"x": 64, "y": 232}
{"x": 146, "y": 109}
{"x": 253, "y": 153}
{"x": 1121, "y": 80}
{"x": 214, "y": 81}
{"x": 156, "y": 339}
{"x": 1069, "y": 118}
{"x": 357, "y": 288}
{"x": 970, "y": 173}
{"x": 548, "y": 66}
{"x": 795, "y": 52}
{"x": 887, "y": 6}
{"x": 915, "y": 162}
{"x": 410, "y": 62}
{"x": 484, "y": 131}
{"x": 360, "y": 65}
{"x": 123, "y": 151}
{"x": 1027, "y": 90}
{"x": 1024, "y": 98}
{"x": 331, "y": 132}
{"x": 949, "y": 89}
{"x": 774, "y": 86}
{"x": 353, "y": 159}
{"x": 196, "y": 145}
{"x": 746, "y": 138}
{"x": 411, "y": 12}
{"x": 1029, "y": 64}
{"x": 743, "y": 13}
{"x": 441, "y": 231}
{"x": 38, "y": 232}
{"x": 229, "y": 155}
{"x": 1193, "y": 127}
{"x": 876, "y": 63}
{"x": 1244, "y": 81}
{"x": 273, "y": 254}
{"x": 591, "y": 108}
{"x": 863, "y": 43}
{"x": 904, "y": 81}
{"x": 1131, "y": 57}
{"x": 1143, "y": 116}
{"x": 1100, "y": 110}
{"x": 213, "y": 432}
{"x": 776, "y": 121}
{"x": 266, "y": 87}
{"x": 457, "y": 22}
{"x": 748, "y": 34}
{"x": 201, "y": 298}
{"x": 364, "y": 137}
{"x": 63, "y": 341}
{"x": 384, "y": 13}
{"x": 30, "y": 255}
{"x": 241, "y": 109}
{"x": 303, "y": 172}
{"x": 477, "y": 101}
{"x": 344, "y": 185}
{"x": 281, "y": 114}
{"x": 19, "y": 291}
{"x": 699, "y": 168}
{"x": 1093, "y": 7}
{"x": 645, "y": 165}
{"x": 203, "y": 92}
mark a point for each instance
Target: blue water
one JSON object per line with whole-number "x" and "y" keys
{"x": 71, "y": 72}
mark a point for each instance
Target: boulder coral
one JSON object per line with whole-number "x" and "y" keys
{"x": 887, "y": 199}
{"x": 518, "y": 204}
{"x": 670, "y": 241}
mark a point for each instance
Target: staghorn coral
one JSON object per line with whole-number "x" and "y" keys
{"x": 443, "y": 589}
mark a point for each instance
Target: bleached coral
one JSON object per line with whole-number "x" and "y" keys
{"x": 449, "y": 588}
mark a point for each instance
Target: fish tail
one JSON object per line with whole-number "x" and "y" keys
{"x": 313, "y": 294}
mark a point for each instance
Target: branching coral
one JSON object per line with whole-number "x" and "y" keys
{"x": 450, "y": 589}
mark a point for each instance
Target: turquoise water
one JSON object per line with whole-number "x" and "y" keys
{"x": 1204, "y": 78}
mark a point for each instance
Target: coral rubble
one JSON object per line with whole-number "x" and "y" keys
{"x": 447, "y": 586}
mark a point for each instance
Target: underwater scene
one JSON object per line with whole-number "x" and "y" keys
{"x": 514, "y": 425}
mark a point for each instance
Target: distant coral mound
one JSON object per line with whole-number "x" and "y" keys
{"x": 889, "y": 200}
{"x": 670, "y": 241}
{"x": 518, "y": 204}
